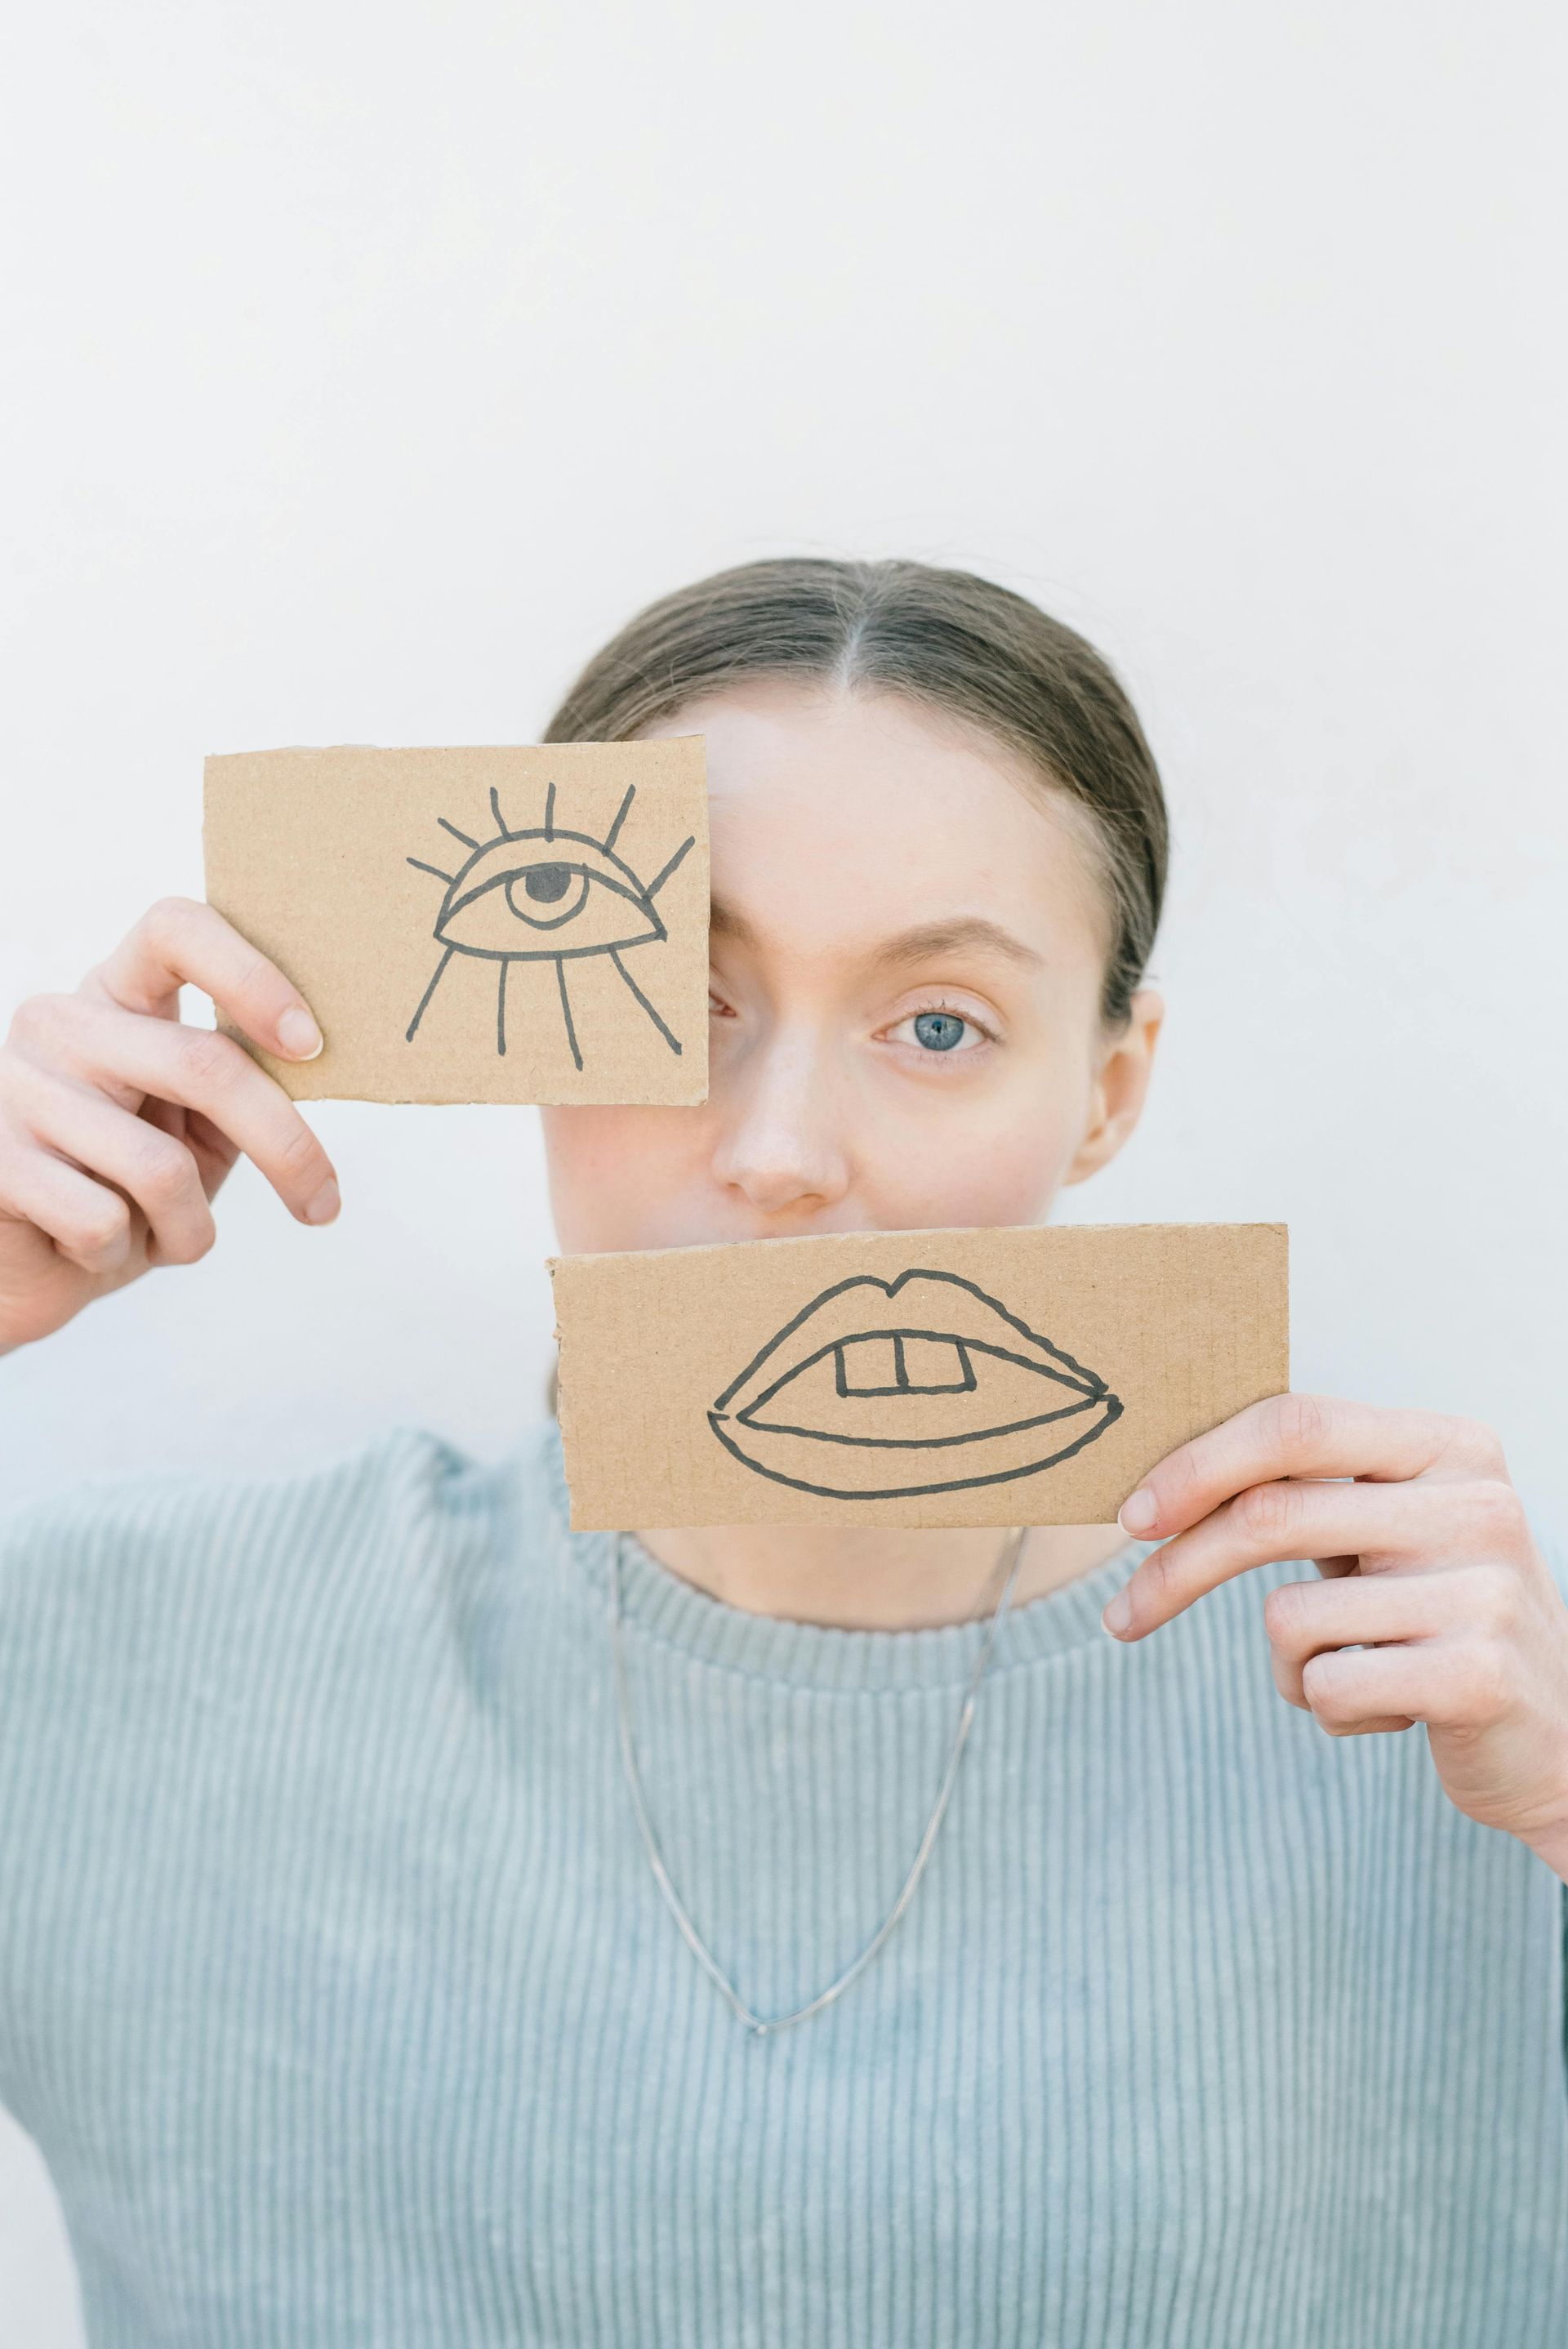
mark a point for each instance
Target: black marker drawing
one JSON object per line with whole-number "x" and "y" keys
{"x": 977, "y": 1397}
{"x": 519, "y": 890}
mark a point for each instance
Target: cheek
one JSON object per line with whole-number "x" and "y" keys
{"x": 622, "y": 1178}
{"x": 999, "y": 1161}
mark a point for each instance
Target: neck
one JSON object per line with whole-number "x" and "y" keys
{"x": 875, "y": 1578}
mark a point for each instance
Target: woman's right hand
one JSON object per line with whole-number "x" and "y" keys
{"x": 117, "y": 1124}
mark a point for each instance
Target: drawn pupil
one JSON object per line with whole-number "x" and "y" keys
{"x": 546, "y": 883}
{"x": 938, "y": 1031}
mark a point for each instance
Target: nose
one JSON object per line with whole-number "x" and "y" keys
{"x": 781, "y": 1142}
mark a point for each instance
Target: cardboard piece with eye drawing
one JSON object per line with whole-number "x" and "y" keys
{"x": 948, "y": 1378}
{"x": 500, "y": 924}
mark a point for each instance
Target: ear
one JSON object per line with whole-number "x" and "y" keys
{"x": 1121, "y": 1086}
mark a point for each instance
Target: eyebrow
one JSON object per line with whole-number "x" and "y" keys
{"x": 724, "y": 922}
{"x": 962, "y": 933}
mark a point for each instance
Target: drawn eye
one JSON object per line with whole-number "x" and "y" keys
{"x": 542, "y": 880}
{"x": 880, "y": 1389}
{"x": 546, "y": 894}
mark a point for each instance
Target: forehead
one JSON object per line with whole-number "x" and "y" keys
{"x": 840, "y": 818}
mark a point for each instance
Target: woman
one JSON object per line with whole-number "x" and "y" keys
{"x": 339, "y": 1982}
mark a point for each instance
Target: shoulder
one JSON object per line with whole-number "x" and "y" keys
{"x": 103, "y": 1568}
{"x": 109, "y": 1529}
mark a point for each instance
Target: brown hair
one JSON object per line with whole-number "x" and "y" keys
{"x": 944, "y": 638}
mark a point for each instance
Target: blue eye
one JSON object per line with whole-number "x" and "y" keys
{"x": 938, "y": 1031}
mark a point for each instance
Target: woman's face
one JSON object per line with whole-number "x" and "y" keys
{"x": 908, "y": 945}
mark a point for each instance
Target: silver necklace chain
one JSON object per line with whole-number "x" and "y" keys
{"x": 761, "y": 2026}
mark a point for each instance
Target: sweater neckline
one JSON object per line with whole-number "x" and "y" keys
{"x": 673, "y": 1614}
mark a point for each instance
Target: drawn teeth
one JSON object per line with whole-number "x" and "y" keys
{"x": 899, "y": 1365}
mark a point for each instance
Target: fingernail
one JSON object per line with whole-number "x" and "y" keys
{"x": 1139, "y": 1513}
{"x": 298, "y": 1033}
{"x": 1117, "y": 1615}
{"x": 324, "y": 1205}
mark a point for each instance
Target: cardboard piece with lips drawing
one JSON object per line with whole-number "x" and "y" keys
{"x": 930, "y": 1378}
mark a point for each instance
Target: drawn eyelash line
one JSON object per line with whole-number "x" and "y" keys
{"x": 484, "y": 894}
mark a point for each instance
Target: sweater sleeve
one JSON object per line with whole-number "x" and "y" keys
{"x": 154, "y": 1633}
{"x": 85, "y": 1602}
{"x": 130, "y": 1612}
{"x": 53, "y": 1559}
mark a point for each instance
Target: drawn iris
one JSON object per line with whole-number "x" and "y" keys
{"x": 544, "y": 884}
{"x": 507, "y": 889}
{"x": 536, "y": 897}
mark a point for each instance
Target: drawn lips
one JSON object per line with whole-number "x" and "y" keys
{"x": 880, "y": 1389}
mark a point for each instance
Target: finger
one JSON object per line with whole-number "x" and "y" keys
{"x": 1293, "y": 1690}
{"x": 88, "y": 1225}
{"x": 214, "y": 1153}
{"x": 1433, "y": 1521}
{"x": 1303, "y": 1435}
{"x": 181, "y": 942}
{"x": 1303, "y": 1619}
{"x": 1480, "y": 1602}
{"x": 1447, "y": 1684}
{"x": 201, "y": 1070}
{"x": 149, "y": 1165}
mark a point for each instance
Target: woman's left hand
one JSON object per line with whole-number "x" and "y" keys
{"x": 1434, "y": 1605}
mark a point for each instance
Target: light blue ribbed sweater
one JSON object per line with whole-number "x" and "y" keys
{"x": 336, "y": 1987}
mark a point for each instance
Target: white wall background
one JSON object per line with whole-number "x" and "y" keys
{"x": 366, "y": 364}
